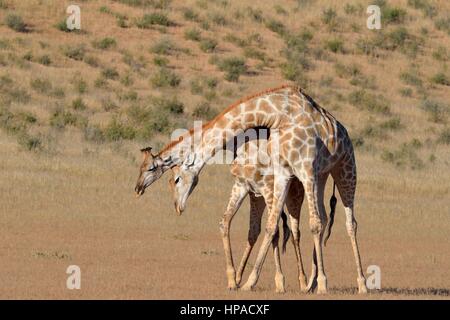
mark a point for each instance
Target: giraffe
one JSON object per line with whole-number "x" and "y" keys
{"x": 254, "y": 179}
{"x": 313, "y": 145}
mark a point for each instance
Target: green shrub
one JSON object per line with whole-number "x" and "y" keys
{"x": 208, "y": 45}
{"x": 92, "y": 61}
{"x": 329, "y": 16}
{"x": 192, "y": 34}
{"x": 151, "y": 19}
{"x": 163, "y": 47}
{"x": 41, "y": 85}
{"x": 335, "y": 45}
{"x": 62, "y": 26}
{"x": 44, "y": 60}
{"x": 160, "y": 61}
{"x": 392, "y": 124}
{"x": 441, "y": 54}
{"x": 116, "y": 131}
{"x": 443, "y": 24}
{"x": 204, "y": 111}
{"x": 60, "y": 119}
{"x": 172, "y": 105}
{"x": 80, "y": 86}
{"x": 428, "y": 9}
{"x": 444, "y": 136}
{"x": 78, "y": 104}
{"x": 436, "y": 110}
{"x": 16, "y": 23}
{"x": 233, "y": 67}
{"x": 75, "y": 52}
{"x": 110, "y": 73}
{"x": 393, "y": 14}
{"x": 368, "y": 101}
{"x": 276, "y": 26}
{"x": 29, "y": 142}
{"x": 411, "y": 77}
{"x": 165, "y": 78}
{"x": 190, "y": 14}
{"x": 347, "y": 71}
{"x": 441, "y": 78}
{"x": 105, "y": 43}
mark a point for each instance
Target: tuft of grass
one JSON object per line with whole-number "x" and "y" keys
{"x": 29, "y": 142}
{"x": 276, "y": 26}
{"x": 116, "y": 131}
{"x": 15, "y": 22}
{"x": 193, "y": 34}
{"x": 441, "y": 54}
{"x": 437, "y": 111}
{"x": 164, "y": 47}
{"x": 441, "y": 78}
{"x": 190, "y": 14}
{"x": 233, "y": 67}
{"x": 204, "y": 111}
{"x": 172, "y": 105}
{"x": 411, "y": 77}
{"x": 105, "y": 43}
{"x": 156, "y": 18}
{"x": 393, "y": 14}
{"x": 60, "y": 119}
{"x": 443, "y": 24}
{"x": 165, "y": 78}
{"x": 329, "y": 16}
{"x": 44, "y": 60}
{"x": 444, "y": 136}
{"x": 78, "y": 104}
{"x": 43, "y": 86}
{"x": 160, "y": 61}
{"x": 335, "y": 45}
{"x": 368, "y": 101}
{"x": 208, "y": 45}
{"x": 75, "y": 52}
{"x": 427, "y": 8}
{"x": 110, "y": 73}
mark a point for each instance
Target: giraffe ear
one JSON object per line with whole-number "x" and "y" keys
{"x": 190, "y": 160}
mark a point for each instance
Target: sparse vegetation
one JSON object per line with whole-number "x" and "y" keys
{"x": 16, "y": 23}
{"x": 164, "y": 77}
{"x": 233, "y": 67}
{"x": 105, "y": 43}
{"x": 152, "y": 19}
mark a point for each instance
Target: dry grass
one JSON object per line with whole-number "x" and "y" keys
{"x": 70, "y": 201}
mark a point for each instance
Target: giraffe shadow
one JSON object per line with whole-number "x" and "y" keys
{"x": 441, "y": 292}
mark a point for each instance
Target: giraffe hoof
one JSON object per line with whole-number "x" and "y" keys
{"x": 232, "y": 287}
{"x": 246, "y": 288}
{"x": 280, "y": 290}
{"x": 322, "y": 291}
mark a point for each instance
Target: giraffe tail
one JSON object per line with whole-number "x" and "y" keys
{"x": 286, "y": 230}
{"x": 333, "y": 202}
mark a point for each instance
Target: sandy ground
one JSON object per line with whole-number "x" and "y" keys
{"x": 79, "y": 209}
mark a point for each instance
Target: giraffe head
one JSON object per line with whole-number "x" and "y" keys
{"x": 150, "y": 170}
{"x": 182, "y": 183}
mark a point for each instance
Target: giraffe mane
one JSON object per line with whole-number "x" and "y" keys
{"x": 209, "y": 124}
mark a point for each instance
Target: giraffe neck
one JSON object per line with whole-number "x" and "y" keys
{"x": 261, "y": 110}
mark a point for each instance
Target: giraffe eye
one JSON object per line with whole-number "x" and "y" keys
{"x": 152, "y": 168}
{"x": 177, "y": 179}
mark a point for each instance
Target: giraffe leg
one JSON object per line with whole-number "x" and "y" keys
{"x": 294, "y": 202}
{"x": 257, "y": 206}
{"x": 238, "y": 194}
{"x": 314, "y": 189}
{"x": 281, "y": 185}
{"x": 345, "y": 177}
{"x": 279, "y": 277}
